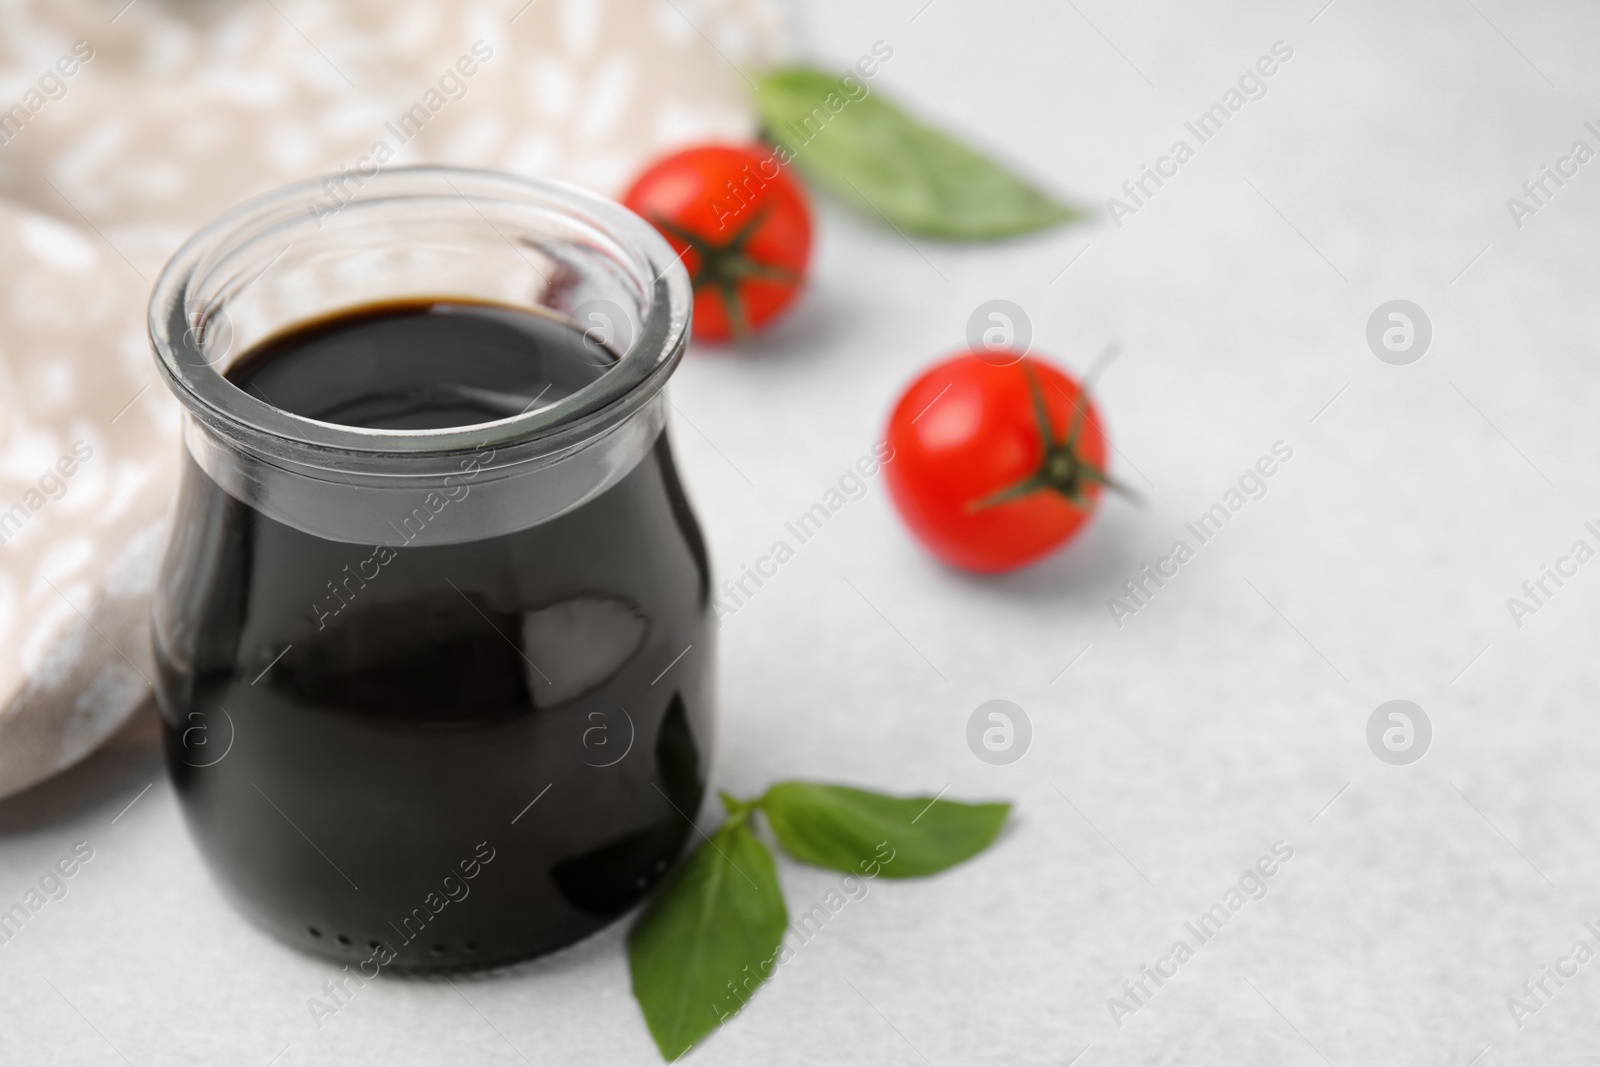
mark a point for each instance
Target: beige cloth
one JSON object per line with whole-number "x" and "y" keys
{"x": 124, "y": 128}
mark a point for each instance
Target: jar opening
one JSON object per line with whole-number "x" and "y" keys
{"x": 420, "y": 234}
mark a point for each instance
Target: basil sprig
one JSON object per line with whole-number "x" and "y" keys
{"x": 714, "y": 933}
{"x": 872, "y": 154}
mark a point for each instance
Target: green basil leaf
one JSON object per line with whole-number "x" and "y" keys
{"x": 870, "y": 834}
{"x": 708, "y": 939}
{"x": 874, "y": 155}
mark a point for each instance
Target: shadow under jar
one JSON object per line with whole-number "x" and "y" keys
{"x": 433, "y": 628}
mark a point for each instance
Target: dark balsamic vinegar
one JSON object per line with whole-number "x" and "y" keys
{"x": 436, "y": 755}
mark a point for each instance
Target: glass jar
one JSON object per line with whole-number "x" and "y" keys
{"x": 434, "y": 698}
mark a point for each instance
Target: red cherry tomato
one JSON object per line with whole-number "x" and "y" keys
{"x": 995, "y": 465}
{"x": 742, "y": 226}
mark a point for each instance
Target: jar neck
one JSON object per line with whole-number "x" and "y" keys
{"x": 465, "y": 496}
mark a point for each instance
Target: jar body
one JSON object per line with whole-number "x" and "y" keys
{"x": 426, "y": 755}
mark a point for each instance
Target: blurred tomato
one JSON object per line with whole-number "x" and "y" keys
{"x": 740, "y": 223}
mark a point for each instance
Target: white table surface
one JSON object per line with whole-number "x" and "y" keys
{"x": 1225, "y": 716}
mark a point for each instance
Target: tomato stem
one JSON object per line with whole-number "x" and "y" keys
{"x": 1062, "y": 469}
{"x": 724, "y": 266}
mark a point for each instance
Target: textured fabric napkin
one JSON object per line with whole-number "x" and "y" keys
{"x": 124, "y": 126}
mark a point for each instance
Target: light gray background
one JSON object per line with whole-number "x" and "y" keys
{"x": 1225, "y": 716}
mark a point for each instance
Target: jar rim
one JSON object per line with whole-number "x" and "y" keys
{"x": 223, "y": 407}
